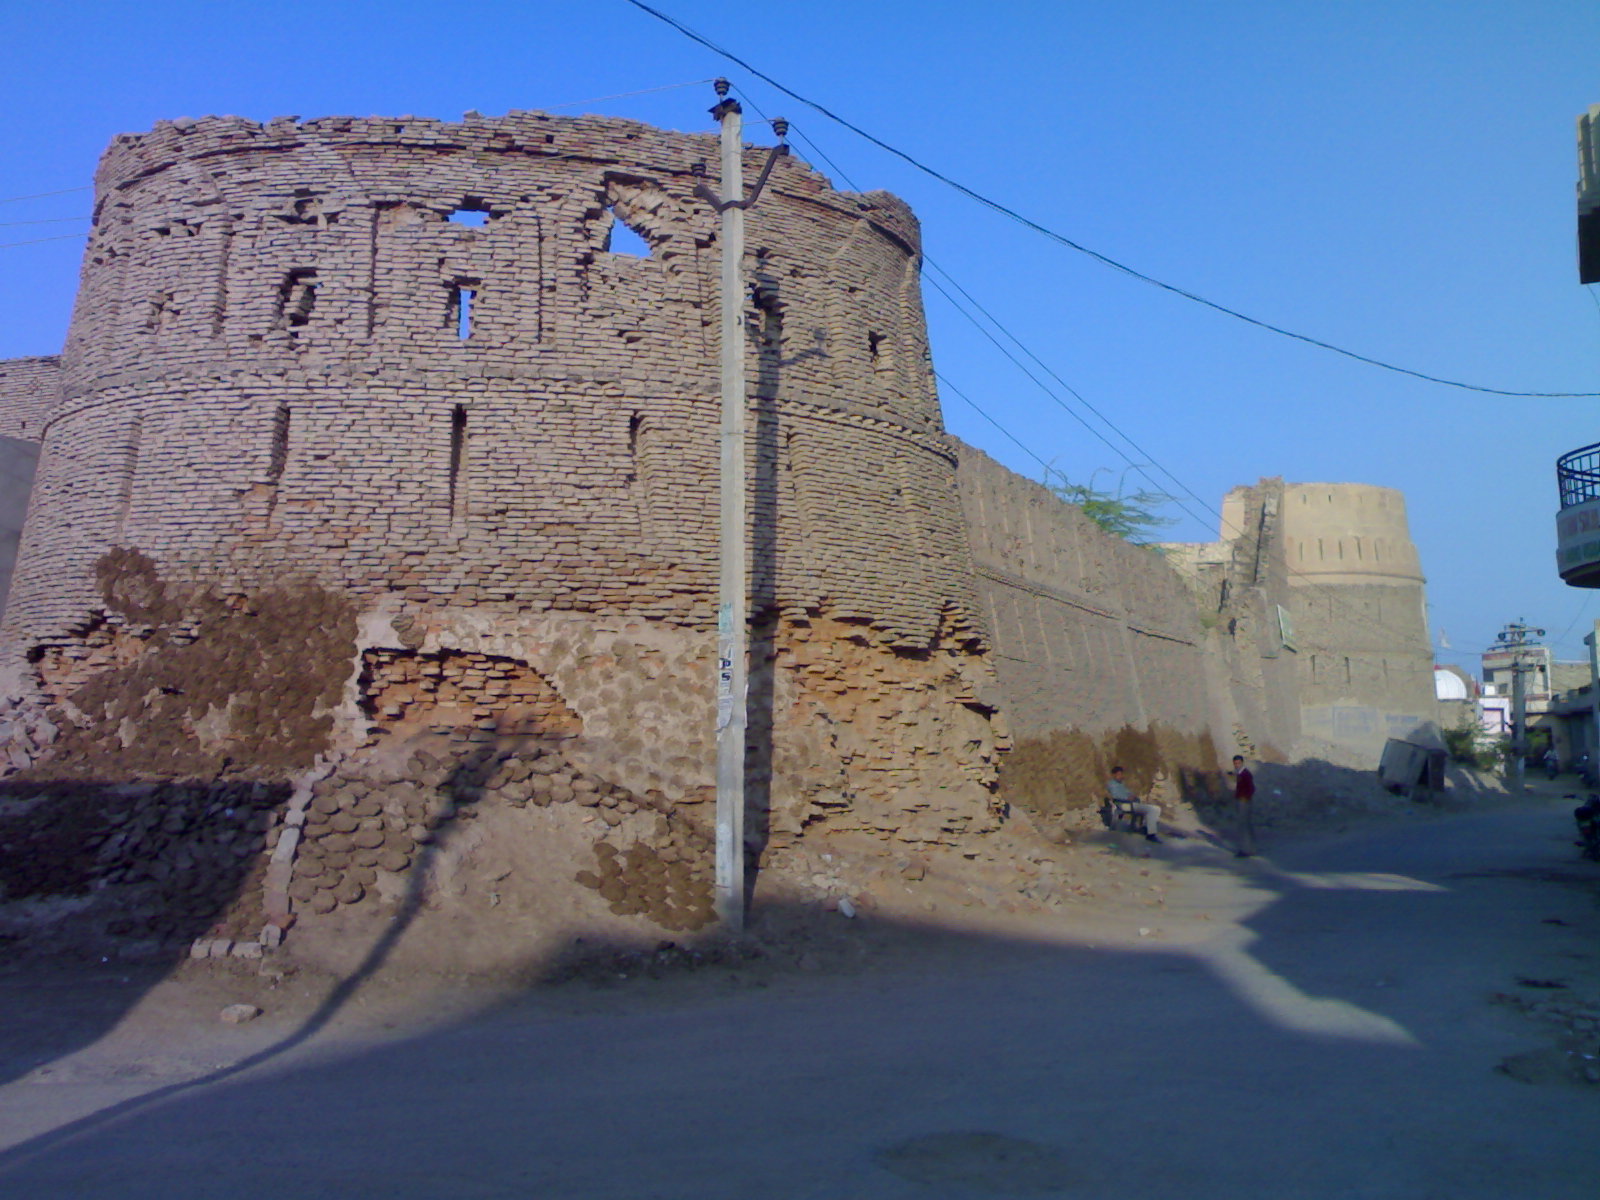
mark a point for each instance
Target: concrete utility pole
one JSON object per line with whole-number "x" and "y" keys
{"x": 1515, "y": 638}
{"x": 733, "y": 616}
{"x": 1519, "y": 722}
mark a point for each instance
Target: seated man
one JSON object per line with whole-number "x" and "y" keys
{"x": 1151, "y": 813}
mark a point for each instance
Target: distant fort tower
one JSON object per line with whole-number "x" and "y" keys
{"x": 1356, "y": 614}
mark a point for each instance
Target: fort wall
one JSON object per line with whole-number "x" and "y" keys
{"x": 393, "y": 372}
{"x": 1100, "y": 652}
{"x": 371, "y": 464}
{"x": 31, "y": 388}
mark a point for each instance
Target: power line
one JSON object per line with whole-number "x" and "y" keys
{"x": 42, "y": 195}
{"x": 1226, "y": 528}
{"x": 1016, "y": 341}
{"x": 1077, "y": 395}
{"x": 60, "y": 237}
{"x": 1103, "y": 259}
{"x": 982, "y": 413}
{"x": 45, "y": 221}
{"x": 1066, "y": 408}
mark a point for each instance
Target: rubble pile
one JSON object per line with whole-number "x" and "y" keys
{"x": 165, "y": 860}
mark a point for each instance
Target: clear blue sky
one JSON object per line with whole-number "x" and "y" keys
{"x": 1396, "y": 178}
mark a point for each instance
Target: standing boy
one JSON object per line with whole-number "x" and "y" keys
{"x": 1244, "y": 794}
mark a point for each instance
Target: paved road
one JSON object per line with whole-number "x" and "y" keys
{"x": 1331, "y": 1034}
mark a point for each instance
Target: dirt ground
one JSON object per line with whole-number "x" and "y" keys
{"x": 1377, "y": 1006}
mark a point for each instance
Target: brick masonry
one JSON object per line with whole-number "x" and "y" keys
{"x": 398, "y": 360}
{"x": 371, "y": 468}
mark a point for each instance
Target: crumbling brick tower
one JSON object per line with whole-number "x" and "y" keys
{"x": 364, "y": 434}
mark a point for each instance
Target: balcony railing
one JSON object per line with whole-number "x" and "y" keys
{"x": 1578, "y": 474}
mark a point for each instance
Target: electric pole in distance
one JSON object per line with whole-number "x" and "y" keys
{"x": 733, "y": 616}
{"x": 1515, "y": 638}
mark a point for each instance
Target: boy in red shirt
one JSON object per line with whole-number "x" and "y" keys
{"x": 1244, "y": 794}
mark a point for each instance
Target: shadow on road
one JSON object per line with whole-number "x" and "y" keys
{"x": 1333, "y": 1041}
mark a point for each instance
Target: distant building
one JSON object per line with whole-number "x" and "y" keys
{"x": 1578, "y": 471}
{"x": 1589, "y": 196}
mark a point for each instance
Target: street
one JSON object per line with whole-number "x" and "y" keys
{"x": 1325, "y": 1021}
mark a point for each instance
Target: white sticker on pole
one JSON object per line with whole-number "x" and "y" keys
{"x": 725, "y": 652}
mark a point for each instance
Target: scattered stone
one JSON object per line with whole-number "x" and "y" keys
{"x": 238, "y": 1014}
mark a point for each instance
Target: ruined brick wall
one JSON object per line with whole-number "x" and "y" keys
{"x": 295, "y": 362}
{"x": 19, "y": 461}
{"x": 1099, "y": 647}
{"x": 31, "y": 388}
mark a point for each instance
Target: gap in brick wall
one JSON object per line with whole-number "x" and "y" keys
{"x": 458, "y": 453}
{"x": 462, "y": 295}
{"x": 277, "y": 455}
{"x": 624, "y": 239}
{"x": 298, "y": 298}
{"x": 472, "y": 218}
{"x": 635, "y": 423}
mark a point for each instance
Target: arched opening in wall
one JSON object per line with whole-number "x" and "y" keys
{"x": 463, "y": 299}
{"x": 297, "y": 299}
{"x": 622, "y": 238}
{"x": 458, "y": 463}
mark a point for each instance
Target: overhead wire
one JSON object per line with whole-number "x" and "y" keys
{"x": 1063, "y": 239}
{"x": 982, "y": 412}
{"x": 45, "y": 221}
{"x": 995, "y": 321}
{"x": 41, "y": 195}
{"x": 60, "y": 237}
{"x": 1225, "y": 527}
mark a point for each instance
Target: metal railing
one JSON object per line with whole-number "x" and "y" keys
{"x": 1578, "y": 474}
